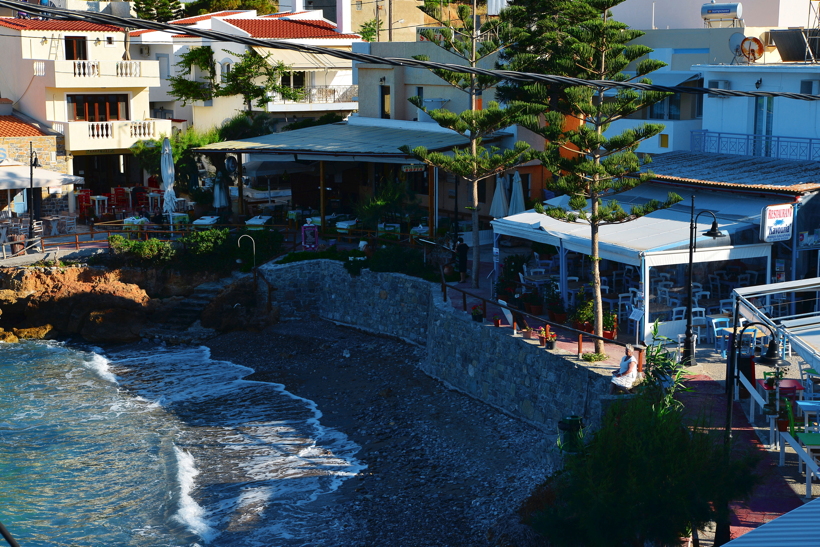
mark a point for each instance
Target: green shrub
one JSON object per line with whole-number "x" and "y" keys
{"x": 141, "y": 252}
{"x": 205, "y": 241}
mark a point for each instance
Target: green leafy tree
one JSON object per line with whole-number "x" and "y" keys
{"x": 588, "y": 165}
{"x": 158, "y": 10}
{"x": 253, "y": 77}
{"x": 183, "y": 145}
{"x": 462, "y": 37}
{"x": 369, "y": 30}
{"x": 201, "y": 7}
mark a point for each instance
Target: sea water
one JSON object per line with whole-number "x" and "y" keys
{"x": 154, "y": 446}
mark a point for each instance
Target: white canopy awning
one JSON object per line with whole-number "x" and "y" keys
{"x": 17, "y": 176}
{"x": 298, "y": 60}
{"x": 657, "y": 233}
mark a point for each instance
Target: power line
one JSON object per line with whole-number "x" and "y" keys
{"x": 564, "y": 81}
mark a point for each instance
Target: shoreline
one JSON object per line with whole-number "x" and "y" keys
{"x": 442, "y": 468}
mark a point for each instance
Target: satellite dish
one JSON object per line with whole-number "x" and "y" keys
{"x": 734, "y": 43}
{"x": 752, "y": 48}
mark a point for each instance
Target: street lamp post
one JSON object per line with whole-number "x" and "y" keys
{"x": 688, "y": 355}
{"x": 33, "y": 162}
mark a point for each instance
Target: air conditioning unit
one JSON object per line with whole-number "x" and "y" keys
{"x": 810, "y": 87}
{"x": 718, "y": 84}
{"x": 145, "y": 51}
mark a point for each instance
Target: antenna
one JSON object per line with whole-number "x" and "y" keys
{"x": 752, "y": 48}
{"x": 735, "y": 41}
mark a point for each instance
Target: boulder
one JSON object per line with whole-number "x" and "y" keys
{"x": 8, "y": 337}
{"x": 35, "y": 333}
{"x": 113, "y": 325}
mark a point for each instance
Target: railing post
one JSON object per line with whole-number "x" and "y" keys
{"x": 640, "y": 361}
{"x": 580, "y": 345}
{"x": 464, "y": 300}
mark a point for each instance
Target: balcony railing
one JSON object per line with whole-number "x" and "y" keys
{"x": 105, "y": 73}
{"x": 788, "y": 148}
{"x": 324, "y": 94}
{"x": 112, "y": 134}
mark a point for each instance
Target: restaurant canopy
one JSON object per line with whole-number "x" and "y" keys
{"x": 657, "y": 237}
{"x": 17, "y": 176}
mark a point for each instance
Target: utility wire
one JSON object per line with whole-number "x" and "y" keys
{"x": 564, "y": 81}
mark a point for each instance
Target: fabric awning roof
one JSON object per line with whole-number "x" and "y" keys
{"x": 795, "y": 528}
{"x": 660, "y": 232}
{"x": 298, "y": 60}
{"x": 17, "y": 176}
{"x": 345, "y": 142}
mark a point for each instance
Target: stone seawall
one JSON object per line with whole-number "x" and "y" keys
{"x": 485, "y": 362}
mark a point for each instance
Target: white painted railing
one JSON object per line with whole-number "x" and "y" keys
{"x": 39, "y": 68}
{"x": 86, "y": 69}
{"x": 143, "y": 130}
{"x": 58, "y": 127}
{"x": 129, "y": 69}
{"x": 100, "y": 130}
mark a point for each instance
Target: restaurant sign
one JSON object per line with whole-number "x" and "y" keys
{"x": 776, "y": 222}
{"x": 413, "y": 168}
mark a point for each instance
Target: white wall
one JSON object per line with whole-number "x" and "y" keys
{"x": 678, "y": 14}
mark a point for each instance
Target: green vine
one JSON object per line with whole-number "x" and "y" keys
{"x": 188, "y": 90}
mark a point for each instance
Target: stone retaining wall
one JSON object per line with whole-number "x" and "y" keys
{"x": 508, "y": 372}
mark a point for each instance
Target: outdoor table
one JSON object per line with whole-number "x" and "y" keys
{"x": 538, "y": 280}
{"x": 178, "y": 218}
{"x": 387, "y": 228}
{"x": 344, "y": 226}
{"x": 4, "y": 229}
{"x": 205, "y": 222}
{"x": 100, "y": 200}
{"x": 53, "y": 224}
{"x": 257, "y": 222}
{"x": 134, "y": 223}
{"x": 762, "y": 388}
{"x": 806, "y": 408}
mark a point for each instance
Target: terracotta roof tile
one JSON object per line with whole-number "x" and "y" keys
{"x": 285, "y": 29}
{"x": 283, "y": 14}
{"x": 70, "y": 26}
{"x": 198, "y": 18}
{"x": 140, "y": 32}
{"x": 12, "y": 126}
{"x": 799, "y": 188}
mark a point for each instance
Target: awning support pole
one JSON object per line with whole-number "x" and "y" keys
{"x": 322, "y": 193}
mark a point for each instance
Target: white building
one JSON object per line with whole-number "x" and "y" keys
{"x": 327, "y": 81}
{"x": 686, "y": 14}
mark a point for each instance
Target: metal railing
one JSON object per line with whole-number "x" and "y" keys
{"x": 769, "y": 146}
{"x": 321, "y": 94}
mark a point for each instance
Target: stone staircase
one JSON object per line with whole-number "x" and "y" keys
{"x": 182, "y": 322}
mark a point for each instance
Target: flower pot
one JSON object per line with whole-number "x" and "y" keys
{"x": 550, "y": 344}
{"x": 497, "y": 322}
{"x": 609, "y": 334}
{"x": 560, "y": 317}
{"x": 478, "y": 318}
{"x": 783, "y": 425}
{"x": 528, "y": 334}
{"x": 542, "y": 340}
{"x": 536, "y": 309}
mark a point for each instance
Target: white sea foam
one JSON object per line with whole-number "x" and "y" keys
{"x": 101, "y": 366}
{"x": 190, "y": 513}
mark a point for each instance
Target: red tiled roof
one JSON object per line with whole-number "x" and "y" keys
{"x": 283, "y": 14}
{"x": 70, "y": 26}
{"x": 140, "y": 32}
{"x": 12, "y": 126}
{"x": 799, "y": 188}
{"x": 6, "y": 101}
{"x": 198, "y": 18}
{"x": 284, "y": 29}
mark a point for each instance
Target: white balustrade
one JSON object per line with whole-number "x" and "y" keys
{"x": 87, "y": 69}
{"x": 100, "y": 130}
{"x": 143, "y": 130}
{"x": 129, "y": 69}
{"x": 39, "y": 68}
{"x": 58, "y": 127}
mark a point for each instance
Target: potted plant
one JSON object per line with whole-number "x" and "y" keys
{"x": 556, "y": 310}
{"x": 610, "y": 325}
{"x": 583, "y": 315}
{"x": 527, "y": 333}
{"x": 496, "y": 321}
{"x": 550, "y": 340}
{"x": 477, "y": 313}
{"x": 542, "y": 335}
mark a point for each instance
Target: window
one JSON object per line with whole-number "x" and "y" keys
{"x": 359, "y": 5}
{"x": 664, "y": 140}
{"x": 385, "y": 101}
{"x": 420, "y": 93}
{"x": 295, "y": 80}
{"x": 482, "y": 191}
{"x": 75, "y": 48}
{"x": 109, "y": 41}
{"x": 97, "y": 108}
{"x": 226, "y": 69}
{"x": 667, "y": 109}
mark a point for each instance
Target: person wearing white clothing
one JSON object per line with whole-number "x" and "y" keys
{"x": 625, "y": 377}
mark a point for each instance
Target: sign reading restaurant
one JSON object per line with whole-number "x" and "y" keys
{"x": 776, "y": 222}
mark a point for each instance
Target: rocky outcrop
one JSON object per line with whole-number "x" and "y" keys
{"x": 35, "y": 333}
{"x": 94, "y": 303}
{"x": 238, "y": 308}
{"x": 9, "y": 337}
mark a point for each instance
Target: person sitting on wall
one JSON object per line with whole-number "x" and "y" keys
{"x": 624, "y": 378}
{"x": 461, "y": 251}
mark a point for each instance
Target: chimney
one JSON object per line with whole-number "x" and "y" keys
{"x": 6, "y": 107}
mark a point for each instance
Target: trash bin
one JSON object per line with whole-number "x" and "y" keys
{"x": 570, "y": 427}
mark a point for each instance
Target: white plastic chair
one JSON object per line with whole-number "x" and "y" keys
{"x": 679, "y": 313}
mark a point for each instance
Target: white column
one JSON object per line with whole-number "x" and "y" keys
{"x": 342, "y": 16}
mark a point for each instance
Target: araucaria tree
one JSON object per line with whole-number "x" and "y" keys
{"x": 252, "y": 76}
{"x": 158, "y": 10}
{"x": 589, "y": 166}
{"x": 462, "y": 37}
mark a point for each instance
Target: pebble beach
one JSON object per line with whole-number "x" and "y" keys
{"x": 443, "y": 469}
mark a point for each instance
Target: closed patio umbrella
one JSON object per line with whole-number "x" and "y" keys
{"x": 517, "y": 197}
{"x": 167, "y": 172}
{"x": 499, "y": 206}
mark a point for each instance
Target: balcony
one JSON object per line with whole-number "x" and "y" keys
{"x": 768, "y": 146}
{"x": 97, "y": 74}
{"x": 109, "y": 135}
{"x": 324, "y": 98}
